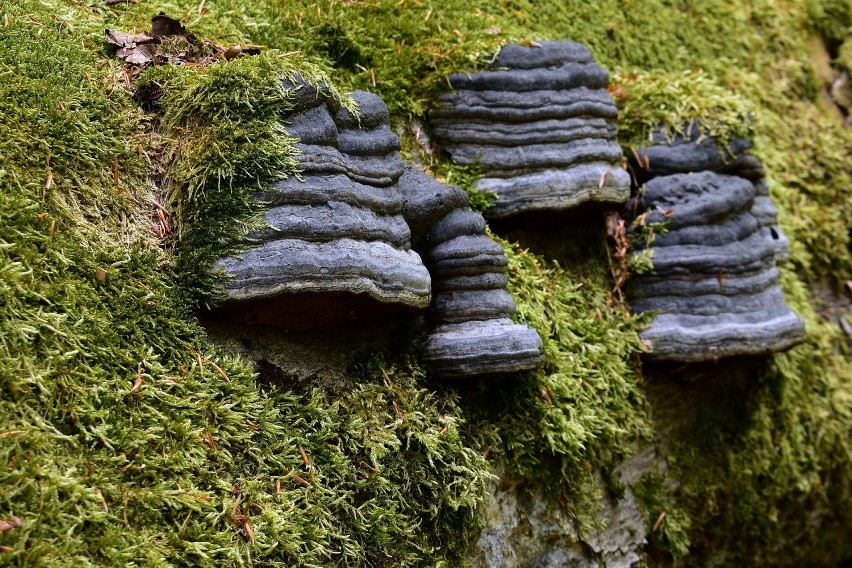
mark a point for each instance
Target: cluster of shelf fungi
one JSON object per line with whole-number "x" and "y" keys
{"x": 359, "y": 235}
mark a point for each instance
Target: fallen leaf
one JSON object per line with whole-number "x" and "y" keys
{"x": 122, "y": 39}
{"x": 100, "y": 274}
{"x": 162, "y": 25}
{"x": 139, "y": 55}
{"x": 10, "y": 523}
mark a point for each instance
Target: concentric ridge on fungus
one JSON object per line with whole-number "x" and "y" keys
{"x": 715, "y": 282}
{"x": 542, "y": 126}
{"x": 471, "y": 308}
{"x": 338, "y": 245}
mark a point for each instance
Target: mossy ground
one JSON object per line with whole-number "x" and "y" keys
{"x": 126, "y": 438}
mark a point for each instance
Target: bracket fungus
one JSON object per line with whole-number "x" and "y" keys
{"x": 337, "y": 247}
{"x": 470, "y": 307}
{"x": 542, "y": 126}
{"x": 714, "y": 288}
{"x": 335, "y": 235}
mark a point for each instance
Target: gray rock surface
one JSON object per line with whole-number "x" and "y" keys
{"x": 524, "y": 527}
{"x": 714, "y": 288}
{"x": 337, "y": 229}
{"x": 471, "y": 309}
{"x": 541, "y": 125}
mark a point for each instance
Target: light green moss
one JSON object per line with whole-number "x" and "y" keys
{"x": 125, "y": 437}
{"x": 677, "y": 101}
{"x": 93, "y": 302}
{"x": 222, "y": 139}
{"x": 844, "y": 54}
{"x": 584, "y": 410}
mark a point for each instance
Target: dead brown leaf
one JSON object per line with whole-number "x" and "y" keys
{"x": 8, "y": 524}
{"x": 167, "y": 43}
{"x": 162, "y": 25}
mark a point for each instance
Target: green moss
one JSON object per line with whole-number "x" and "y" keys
{"x": 670, "y": 525}
{"x": 584, "y": 410}
{"x": 70, "y": 135}
{"x": 94, "y": 302}
{"x": 125, "y": 438}
{"x": 222, "y": 139}
{"x": 831, "y": 18}
{"x": 844, "y": 54}
{"x": 677, "y": 101}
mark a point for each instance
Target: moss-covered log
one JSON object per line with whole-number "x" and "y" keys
{"x": 129, "y": 436}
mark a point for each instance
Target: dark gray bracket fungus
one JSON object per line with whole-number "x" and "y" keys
{"x": 542, "y": 126}
{"x": 336, "y": 247}
{"x": 471, "y": 308}
{"x": 715, "y": 288}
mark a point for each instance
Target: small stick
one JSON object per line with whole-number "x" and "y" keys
{"x": 219, "y": 370}
{"x": 101, "y": 497}
{"x": 659, "y": 522}
{"x": 299, "y": 479}
{"x": 396, "y": 409}
{"x": 210, "y": 439}
{"x": 183, "y": 524}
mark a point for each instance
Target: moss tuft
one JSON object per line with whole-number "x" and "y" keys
{"x": 677, "y": 102}
{"x": 222, "y": 139}
{"x": 584, "y": 411}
